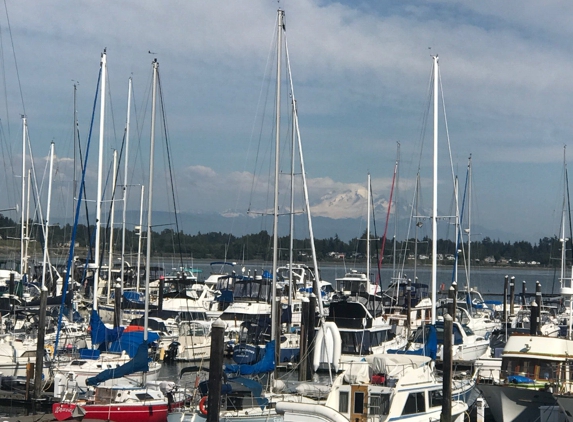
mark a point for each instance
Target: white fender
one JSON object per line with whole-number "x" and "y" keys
{"x": 327, "y": 346}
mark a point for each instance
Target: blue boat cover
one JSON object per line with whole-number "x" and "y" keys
{"x": 139, "y": 363}
{"x": 131, "y": 341}
{"x": 266, "y": 364}
{"x": 255, "y": 387}
{"x": 100, "y": 333}
{"x": 430, "y": 349}
{"x": 519, "y": 379}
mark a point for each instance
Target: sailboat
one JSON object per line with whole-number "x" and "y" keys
{"x": 124, "y": 401}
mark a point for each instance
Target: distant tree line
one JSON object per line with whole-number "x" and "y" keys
{"x": 215, "y": 245}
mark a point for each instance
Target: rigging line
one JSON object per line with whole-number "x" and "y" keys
{"x": 381, "y": 258}
{"x": 169, "y": 162}
{"x": 15, "y": 60}
{"x": 105, "y": 240}
{"x": 459, "y": 243}
{"x": 83, "y": 168}
{"x": 446, "y": 124}
{"x": 265, "y": 82}
{"x": 569, "y": 208}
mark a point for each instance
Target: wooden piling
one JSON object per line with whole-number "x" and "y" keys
{"x": 117, "y": 306}
{"x": 447, "y": 369}
{"x": 505, "y": 285}
{"x": 512, "y": 296}
{"x": 215, "y": 370}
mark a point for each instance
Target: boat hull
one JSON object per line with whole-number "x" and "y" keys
{"x": 126, "y": 412}
{"x": 516, "y": 404}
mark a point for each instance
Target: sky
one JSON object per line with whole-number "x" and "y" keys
{"x": 361, "y": 73}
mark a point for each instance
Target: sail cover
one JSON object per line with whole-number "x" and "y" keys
{"x": 139, "y": 363}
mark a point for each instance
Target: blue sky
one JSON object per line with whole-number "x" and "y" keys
{"x": 361, "y": 73}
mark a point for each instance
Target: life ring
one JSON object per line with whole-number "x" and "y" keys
{"x": 203, "y": 406}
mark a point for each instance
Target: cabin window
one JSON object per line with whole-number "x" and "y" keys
{"x": 414, "y": 404}
{"x": 379, "y": 404}
{"x": 436, "y": 398}
{"x": 358, "y": 402}
{"x": 343, "y": 402}
{"x": 144, "y": 396}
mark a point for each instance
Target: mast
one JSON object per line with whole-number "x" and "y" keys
{"x": 139, "y": 240}
{"x": 150, "y": 194}
{"x": 316, "y": 286}
{"x": 126, "y": 159}
{"x": 291, "y": 237}
{"x": 469, "y": 229}
{"x": 27, "y": 232}
{"x": 99, "y": 178}
{"x": 274, "y": 329}
{"x": 457, "y": 229}
{"x": 23, "y": 212}
{"x": 368, "y": 210}
{"x": 112, "y": 212}
{"x": 435, "y": 196}
{"x": 47, "y": 223}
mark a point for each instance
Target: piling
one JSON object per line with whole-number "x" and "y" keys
{"x": 11, "y": 284}
{"x": 215, "y": 370}
{"x": 480, "y": 410}
{"x": 38, "y": 384}
{"x": 533, "y": 319}
{"x": 451, "y": 299}
{"x": 523, "y": 290}
{"x": 539, "y": 302}
{"x": 512, "y": 296}
{"x": 409, "y": 306}
{"x": 455, "y": 286}
{"x": 160, "y": 298}
{"x": 117, "y": 306}
{"x": 447, "y": 369}
{"x": 311, "y": 332}
{"x": 304, "y": 326}
{"x": 505, "y": 285}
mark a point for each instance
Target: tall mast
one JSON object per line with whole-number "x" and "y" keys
{"x": 139, "y": 239}
{"x": 316, "y": 286}
{"x": 368, "y": 210}
{"x": 110, "y": 282}
{"x": 469, "y": 229}
{"x": 274, "y": 334}
{"x": 435, "y": 196}
{"x": 23, "y": 212}
{"x": 150, "y": 194}
{"x": 27, "y": 232}
{"x": 126, "y": 159}
{"x": 47, "y": 222}
{"x": 99, "y": 177}
{"x": 291, "y": 237}
{"x": 75, "y": 182}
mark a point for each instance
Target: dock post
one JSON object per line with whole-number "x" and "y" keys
{"x": 117, "y": 306}
{"x": 447, "y": 369}
{"x": 539, "y": 302}
{"x": 505, "y": 285}
{"x": 512, "y": 296}
{"x": 523, "y": 290}
{"x": 40, "y": 352}
{"x": 408, "y": 307}
{"x": 451, "y": 296}
{"x": 215, "y": 370}
{"x": 480, "y": 409}
{"x": 311, "y": 332}
{"x": 303, "y": 367}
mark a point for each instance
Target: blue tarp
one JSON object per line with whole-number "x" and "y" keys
{"x": 430, "y": 348}
{"x": 131, "y": 341}
{"x": 100, "y": 333}
{"x": 519, "y": 379}
{"x": 139, "y": 363}
{"x": 266, "y": 364}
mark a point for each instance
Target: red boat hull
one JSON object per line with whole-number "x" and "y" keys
{"x": 126, "y": 412}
